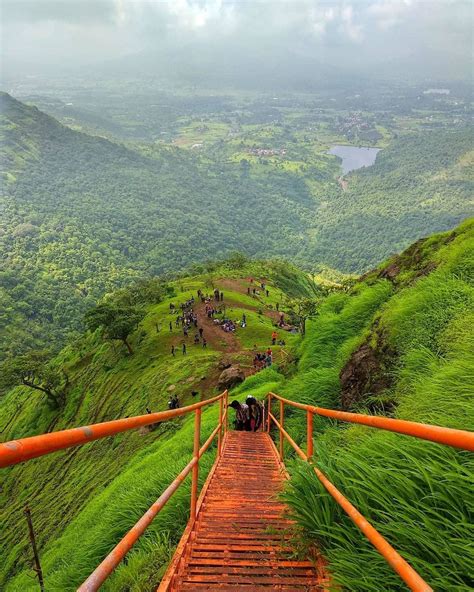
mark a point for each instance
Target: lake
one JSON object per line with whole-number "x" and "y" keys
{"x": 354, "y": 158}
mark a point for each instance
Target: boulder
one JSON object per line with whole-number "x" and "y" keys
{"x": 230, "y": 377}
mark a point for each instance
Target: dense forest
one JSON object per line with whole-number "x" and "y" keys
{"x": 82, "y": 215}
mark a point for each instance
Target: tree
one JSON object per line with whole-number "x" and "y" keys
{"x": 34, "y": 370}
{"x": 237, "y": 260}
{"x": 115, "y": 322}
{"x": 302, "y": 309}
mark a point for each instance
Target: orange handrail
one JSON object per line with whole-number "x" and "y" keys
{"x": 16, "y": 451}
{"x": 448, "y": 436}
{"x": 102, "y": 571}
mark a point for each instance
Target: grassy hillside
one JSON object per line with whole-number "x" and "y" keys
{"x": 83, "y": 500}
{"x": 399, "y": 343}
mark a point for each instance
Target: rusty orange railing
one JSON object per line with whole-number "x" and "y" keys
{"x": 451, "y": 437}
{"x": 17, "y": 451}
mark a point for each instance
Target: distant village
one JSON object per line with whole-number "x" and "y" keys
{"x": 267, "y": 151}
{"x": 357, "y": 124}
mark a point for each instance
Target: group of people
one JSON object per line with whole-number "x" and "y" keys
{"x": 187, "y": 319}
{"x": 255, "y": 290}
{"x": 226, "y": 325}
{"x": 263, "y": 360}
{"x": 216, "y": 295}
{"x": 249, "y": 416}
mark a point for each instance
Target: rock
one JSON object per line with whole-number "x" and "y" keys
{"x": 224, "y": 364}
{"x": 230, "y": 377}
{"x": 390, "y": 272}
{"x": 191, "y": 379}
{"x": 171, "y": 388}
{"x": 364, "y": 375}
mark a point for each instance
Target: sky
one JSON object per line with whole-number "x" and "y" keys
{"x": 431, "y": 38}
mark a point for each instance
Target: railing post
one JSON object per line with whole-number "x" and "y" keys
{"x": 269, "y": 408}
{"x": 226, "y": 424}
{"x": 219, "y": 433}
{"x": 309, "y": 434}
{"x": 282, "y": 423}
{"x": 197, "y": 444}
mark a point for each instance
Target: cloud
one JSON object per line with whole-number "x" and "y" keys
{"x": 358, "y": 31}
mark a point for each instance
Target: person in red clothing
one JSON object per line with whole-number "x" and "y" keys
{"x": 274, "y": 337}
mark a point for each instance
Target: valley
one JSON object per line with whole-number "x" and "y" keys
{"x": 84, "y": 214}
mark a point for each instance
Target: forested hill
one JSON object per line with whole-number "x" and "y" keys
{"x": 82, "y": 215}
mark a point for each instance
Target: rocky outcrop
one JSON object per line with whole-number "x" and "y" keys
{"x": 367, "y": 374}
{"x": 230, "y": 377}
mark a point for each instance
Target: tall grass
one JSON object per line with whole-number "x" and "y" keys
{"x": 106, "y": 517}
{"x": 417, "y": 494}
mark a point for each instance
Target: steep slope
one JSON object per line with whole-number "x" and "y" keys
{"x": 399, "y": 343}
{"x": 83, "y": 500}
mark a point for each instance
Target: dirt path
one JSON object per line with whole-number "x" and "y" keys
{"x": 214, "y": 335}
{"x": 240, "y": 286}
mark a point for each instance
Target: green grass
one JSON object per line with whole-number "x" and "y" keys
{"x": 84, "y": 499}
{"x": 417, "y": 494}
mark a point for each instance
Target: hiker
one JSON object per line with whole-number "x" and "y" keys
{"x": 248, "y": 290}
{"x": 222, "y": 296}
{"x": 244, "y": 318}
{"x": 196, "y": 339}
{"x": 242, "y": 416}
{"x": 201, "y": 331}
{"x": 184, "y": 349}
{"x": 204, "y": 343}
{"x": 278, "y": 306}
{"x": 171, "y": 326}
{"x": 173, "y": 351}
{"x": 274, "y": 337}
{"x": 255, "y": 413}
{"x": 173, "y": 403}
{"x": 267, "y": 293}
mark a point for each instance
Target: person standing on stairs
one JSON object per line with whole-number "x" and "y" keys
{"x": 256, "y": 412}
{"x": 242, "y": 416}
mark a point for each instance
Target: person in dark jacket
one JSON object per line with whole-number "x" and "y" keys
{"x": 256, "y": 413}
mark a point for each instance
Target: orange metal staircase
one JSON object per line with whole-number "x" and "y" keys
{"x": 240, "y": 540}
{"x": 238, "y": 536}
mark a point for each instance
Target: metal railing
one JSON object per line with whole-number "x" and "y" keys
{"x": 451, "y": 437}
{"x": 17, "y": 451}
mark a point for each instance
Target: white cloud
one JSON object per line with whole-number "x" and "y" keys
{"x": 389, "y": 13}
